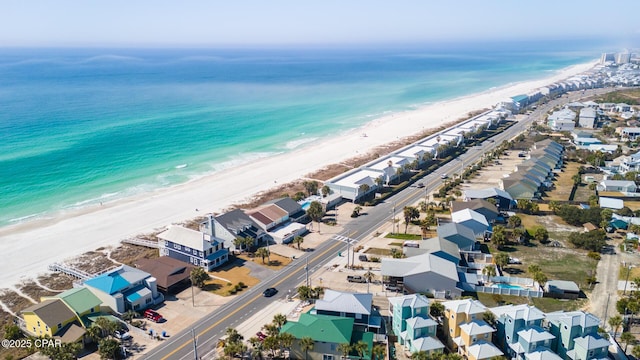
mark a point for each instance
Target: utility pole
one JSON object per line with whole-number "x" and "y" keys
{"x": 193, "y": 300}
{"x": 195, "y": 344}
{"x": 606, "y": 310}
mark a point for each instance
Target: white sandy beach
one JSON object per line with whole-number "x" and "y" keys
{"x": 30, "y": 247}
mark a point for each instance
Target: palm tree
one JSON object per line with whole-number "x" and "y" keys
{"x": 94, "y": 333}
{"x": 409, "y": 213}
{"x": 306, "y": 344}
{"x": 107, "y": 326}
{"x": 271, "y": 329}
{"x": 129, "y": 316}
{"x": 285, "y": 340}
{"x": 615, "y": 322}
{"x": 298, "y": 240}
{"x": 345, "y": 349}
{"x": 279, "y": 320}
{"x": 262, "y": 252}
{"x": 305, "y": 293}
{"x": 361, "y": 348}
{"x": 436, "y": 310}
{"x": 489, "y": 271}
{"x": 636, "y": 352}
{"x": 199, "y": 277}
{"x": 378, "y": 352}
{"x": 326, "y": 190}
{"x": 369, "y": 276}
{"x": 627, "y": 338}
{"x": 271, "y": 343}
{"x": 233, "y": 335}
{"x": 315, "y": 212}
{"x": 420, "y": 355}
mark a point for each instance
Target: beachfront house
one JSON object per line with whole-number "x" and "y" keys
{"x": 630, "y": 163}
{"x": 172, "y": 274}
{"x": 390, "y": 167}
{"x": 327, "y": 333}
{"x": 471, "y": 219}
{"x": 459, "y": 312}
{"x": 630, "y": 133}
{"x": 232, "y": 225}
{"x": 193, "y": 247}
{"x": 419, "y": 153}
{"x": 356, "y": 184}
{"x": 53, "y": 318}
{"x": 426, "y": 273}
{"x": 279, "y": 218}
{"x": 412, "y": 324}
{"x": 481, "y": 206}
{"x": 437, "y": 246}
{"x": 125, "y": 288}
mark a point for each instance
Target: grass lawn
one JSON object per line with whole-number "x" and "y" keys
{"x": 635, "y": 273}
{"x": 544, "y": 304}
{"x": 556, "y": 263}
{"x": 277, "y": 261}
{"x": 403, "y": 236}
{"x": 232, "y": 274}
{"x": 529, "y": 221}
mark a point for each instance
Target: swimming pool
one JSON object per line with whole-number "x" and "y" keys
{"x": 305, "y": 205}
{"x": 507, "y": 286}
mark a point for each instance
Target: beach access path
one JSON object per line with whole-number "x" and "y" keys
{"x": 30, "y": 247}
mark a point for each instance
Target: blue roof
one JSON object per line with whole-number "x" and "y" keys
{"x": 109, "y": 283}
{"x": 137, "y": 293}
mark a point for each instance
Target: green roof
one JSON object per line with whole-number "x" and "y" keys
{"x": 332, "y": 329}
{"x": 80, "y": 300}
{"x": 367, "y": 337}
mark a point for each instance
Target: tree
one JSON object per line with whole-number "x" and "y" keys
{"x": 410, "y": 213}
{"x": 489, "y": 271}
{"x": 501, "y": 259}
{"x": 271, "y": 343}
{"x": 420, "y": 355}
{"x": 315, "y": 212}
{"x": 514, "y": 221}
{"x": 310, "y": 186}
{"x": 298, "y": 196}
{"x": 363, "y": 189}
{"x": 533, "y": 268}
{"x": 577, "y": 179}
{"x": 306, "y": 344}
{"x": 94, "y": 333}
{"x": 326, "y": 190}
{"x": 361, "y": 347}
{"x": 436, "y": 310}
{"x": 615, "y": 322}
{"x": 540, "y": 278}
{"x": 107, "y": 327}
{"x": 499, "y": 237}
{"x": 263, "y": 253}
{"x": 12, "y": 332}
{"x": 627, "y": 338}
{"x": 298, "y": 240}
{"x": 199, "y": 277}
{"x": 129, "y": 315}
{"x": 541, "y": 234}
{"x": 344, "y": 349}
{"x": 279, "y": 320}
{"x": 285, "y": 340}
{"x": 378, "y": 352}
{"x": 489, "y": 318}
{"x": 109, "y": 348}
{"x": 233, "y": 335}
{"x": 64, "y": 351}
{"x": 554, "y": 206}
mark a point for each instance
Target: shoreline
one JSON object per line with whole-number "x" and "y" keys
{"x": 33, "y": 245}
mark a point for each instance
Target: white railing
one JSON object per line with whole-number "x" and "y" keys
{"x": 509, "y": 291}
{"x": 141, "y": 242}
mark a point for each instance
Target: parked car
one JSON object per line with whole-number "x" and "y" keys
{"x": 363, "y": 257}
{"x": 356, "y": 279}
{"x": 391, "y": 287}
{"x": 122, "y": 335}
{"x": 153, "y": 315}
{"x": 444, "y": 176}
{"x": 420, "y": 185}
{"x": 269, "y": 292}
{"x": 261, "y": 336}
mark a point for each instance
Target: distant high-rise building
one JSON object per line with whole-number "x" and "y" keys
{"x": 606, "y": 57}
{"x": 623, "y": 58}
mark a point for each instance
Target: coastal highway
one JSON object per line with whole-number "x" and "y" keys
{"x": 212, "y": 327}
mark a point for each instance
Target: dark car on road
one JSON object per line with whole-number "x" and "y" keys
{"x": 269, "y": 292}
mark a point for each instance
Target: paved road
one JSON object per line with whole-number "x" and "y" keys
{"x": 212, "y": 327}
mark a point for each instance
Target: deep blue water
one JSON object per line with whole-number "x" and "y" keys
{"x": 81, "y": 126}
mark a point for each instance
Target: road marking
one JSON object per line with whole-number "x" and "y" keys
{"x": 170, "y": 355}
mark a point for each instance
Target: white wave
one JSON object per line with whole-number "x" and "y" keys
{"x": 181, "y": 166}
{"x": 25, "y": 218}
{"x": 109, "y": 57}
{"x": 297, "y": 143}
{"x": 100, "y": 199}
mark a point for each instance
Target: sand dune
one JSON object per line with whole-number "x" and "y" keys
{"x": 30, "y": 247}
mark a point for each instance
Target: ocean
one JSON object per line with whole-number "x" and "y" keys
{"x": 80, "y": 127}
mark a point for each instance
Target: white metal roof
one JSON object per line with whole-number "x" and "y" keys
{"x": 183, "y": 236}
{"x": 345, "y": 302}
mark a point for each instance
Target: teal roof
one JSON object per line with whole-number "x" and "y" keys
{"x": 117, "y": 280}
{"x": 332, "y": 329}
{"x": 519, "y": 98}
{"x": 367, "y": 337}
{"x": 137, "y": 293}
{"x": 80, "y": 300}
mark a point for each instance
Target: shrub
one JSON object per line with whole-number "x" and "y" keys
{"x": 374, "y": 259}
{"x": 242, "y": 285}
{"x": 594, "y": 255}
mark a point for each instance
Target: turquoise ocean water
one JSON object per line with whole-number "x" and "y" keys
{"x": 83, "y": 126}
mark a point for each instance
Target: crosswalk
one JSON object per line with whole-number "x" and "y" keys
{"x": 344, "y": 239}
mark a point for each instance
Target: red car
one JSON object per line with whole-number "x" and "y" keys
{"x": 152, "y": 315}
{"x": 261, "y": 336}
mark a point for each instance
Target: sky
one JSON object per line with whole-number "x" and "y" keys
{"x": 35, "y": 23}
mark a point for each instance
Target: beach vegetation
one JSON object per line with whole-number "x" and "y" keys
{"x": 199, "y": 277}
{"x": 298, "y": 196}
{"x": 592, "y": 240}
{"x": 326, "y": 190}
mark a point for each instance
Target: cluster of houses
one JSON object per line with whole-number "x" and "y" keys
{"x": 67, "y": 316}
{"x": 516, "y": 331}
{"x": 536, "y": 173}
{"x": 278, "y": 221}
{"x": 370, "y": 177}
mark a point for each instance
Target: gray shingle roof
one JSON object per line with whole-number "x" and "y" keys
{"x": 239, "y": 223}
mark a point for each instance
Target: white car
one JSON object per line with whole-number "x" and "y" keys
{"x": 122, "y": 335}
{"x": 444, "y": 176}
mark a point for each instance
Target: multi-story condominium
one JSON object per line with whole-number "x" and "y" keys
{"x": 193, "y": 247}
